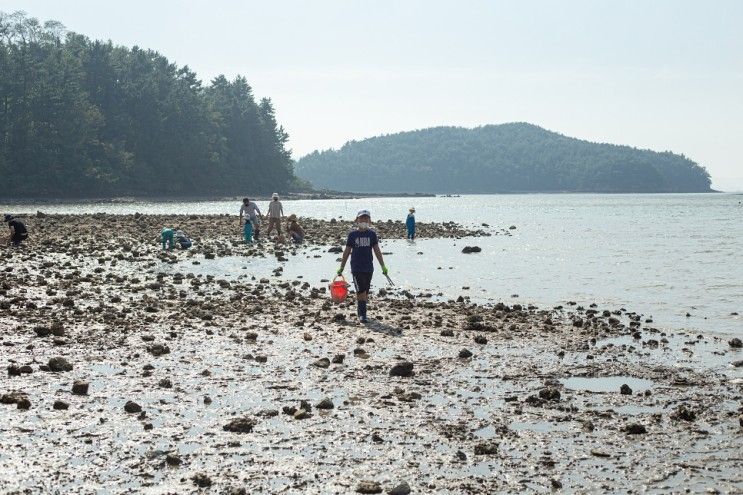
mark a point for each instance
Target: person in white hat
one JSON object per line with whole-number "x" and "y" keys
{"x": 360, "y": 244}
{"x": 275, "y": 214}
{"x": 410, "y": 224}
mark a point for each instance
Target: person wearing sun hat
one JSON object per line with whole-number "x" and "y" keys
{"x": 410, "y": 224}
{"x": 361, "y": 243}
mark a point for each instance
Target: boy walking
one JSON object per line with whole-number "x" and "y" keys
{"x": 360, "y": 245}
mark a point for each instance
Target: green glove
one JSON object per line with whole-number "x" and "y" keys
{"x": 340, "y": 271}
{"x": 384, "y": 269}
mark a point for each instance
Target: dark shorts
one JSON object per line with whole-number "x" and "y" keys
{"x": 362, "y": 281}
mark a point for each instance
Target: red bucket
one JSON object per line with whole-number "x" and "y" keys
{"x": 338, "y": 289}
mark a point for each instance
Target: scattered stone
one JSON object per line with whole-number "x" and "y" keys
{"x": 59, "y": 364}
{"x": 471, "y": 249}
{"x": 158, "y": 349}
{"x": 173, "y": 460}
{"x": 683, "y": 413}
{"x": 486, "y": 448}
{"x": 365, "y": 486}
{"x": 549, "y": 394}
{"x": 338, "y": 358}
{"x": 447, "y": 332}
{"x": 240, "y": 425}
{"x": 60, "y": 405}
{"x": 301, "y": 414}
{"x": 23, "y": 403}
{"x": 80, "y": 388}
{"x": 735, "y": 343}
{"x": 132, "y": 407}
{"x": 465, "y": 353}
{"x": 404, "y": 369}
{"x": 635, "y": 429}
{"x": 401, "y": 489}
{"x": 201, "y": 480}
{"x": 480, "y": 339}
{"x": 625, "y": 389}
{"x": 165, "y": 383}
{"x": 326, "y": 403}
{"x": 322, "y": 363}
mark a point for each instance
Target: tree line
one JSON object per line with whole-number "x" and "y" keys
{"x": 81, "y": 118}
{"x": 516, "y": 157}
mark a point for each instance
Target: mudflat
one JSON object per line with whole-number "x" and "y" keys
{"x": 124, "y": 378}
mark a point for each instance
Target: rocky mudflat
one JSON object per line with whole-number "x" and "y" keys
{"x": 128, "y": 373}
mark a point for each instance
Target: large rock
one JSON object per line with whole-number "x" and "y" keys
{"x": 59, "y": 364}
{"x": 404, "y": 368}
{"x": 132, "y": 407}
{"x": 366, "y": 486}
{"x": 471, "y": 249}
{"x": 240, "y": 425}
{"x": 80, "y": 388}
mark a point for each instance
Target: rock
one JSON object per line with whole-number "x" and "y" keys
{"x": 200, "y": 479}
{"x": 365, "y": 486}
{"x": 465, "y": 353}
{"x": 240, "y": 425}
{"x": 322, "y": 363}
{"x": 11, "y": 398}
{"x": 57, "y": 329}
{"x": 447, "y": 332}
{"x": 635, "y": 429}
{"x": 735, "y": 343}
{"x": 59, "y": 364}
{"x": 42, "y": 331}
{"x": 301, "y": 414}
{"x": 158, "y": 349}
{"x": 326, "y": 403}
{"x": 471, "y": 249}
{"x": 738, "y": 364}
{"x": 338, "y": 358}
{"x": 14, "y": 370}
{"x": 23, "y": 403}
{"x": 401, "y": 489}
{"x": 80, "y": 388}
{"x": 165, "y": 383}
{"x": 556, "y": 483}
{"x": 683, "y": 413}
{"x": 60, "y": 405}
{"x": 132, "y": 407}
{"x": 480, "y": 339}
{"x": 486, "y": 448}
{"x": 549, "y": 394}
{"x": 173, "y": 460}
{"x": 625, "y": 390}
{"x": 404, "y": 368}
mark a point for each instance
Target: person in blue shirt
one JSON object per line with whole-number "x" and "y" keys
{"x": 410, "y": 224}
{"x": 360, "y": 245}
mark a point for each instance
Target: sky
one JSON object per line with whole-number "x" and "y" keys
{"x": 656, "y": 74}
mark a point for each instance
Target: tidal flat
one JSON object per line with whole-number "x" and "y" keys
{"x": 129, "y": 373}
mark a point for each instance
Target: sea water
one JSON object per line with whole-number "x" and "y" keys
{"x": 665, "y": 255}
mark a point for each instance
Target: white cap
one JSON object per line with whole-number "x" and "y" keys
{"x": 362, "y": 213}
{"x": 275, "y": 195}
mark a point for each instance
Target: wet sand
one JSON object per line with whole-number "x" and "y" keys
{"x": 195, "y": 383}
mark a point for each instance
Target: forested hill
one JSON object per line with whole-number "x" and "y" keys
{"x": 514, "y": 157}
{"x": 82, "y": 118}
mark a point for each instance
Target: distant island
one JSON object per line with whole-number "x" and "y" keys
{"x": 506, "y": 158}
{"x": 89, "y": 119}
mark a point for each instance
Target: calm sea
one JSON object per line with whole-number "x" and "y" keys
{"x": 660, "y": 255}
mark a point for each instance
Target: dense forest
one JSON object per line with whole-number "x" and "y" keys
{"x": 82, "y": 118}
{"x": 515, "y": 157}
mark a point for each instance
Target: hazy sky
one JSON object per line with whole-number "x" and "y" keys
{"x": 658, "y": 74}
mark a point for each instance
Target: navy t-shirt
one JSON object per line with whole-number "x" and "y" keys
{"x": 362, "y": 242}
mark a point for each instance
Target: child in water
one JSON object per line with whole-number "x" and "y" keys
{"x": 410, "y": 224}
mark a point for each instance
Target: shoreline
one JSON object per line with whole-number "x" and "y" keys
{"x": 495, "y": 400}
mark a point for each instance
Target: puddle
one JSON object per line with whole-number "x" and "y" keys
{"x": 602, "y": 384}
